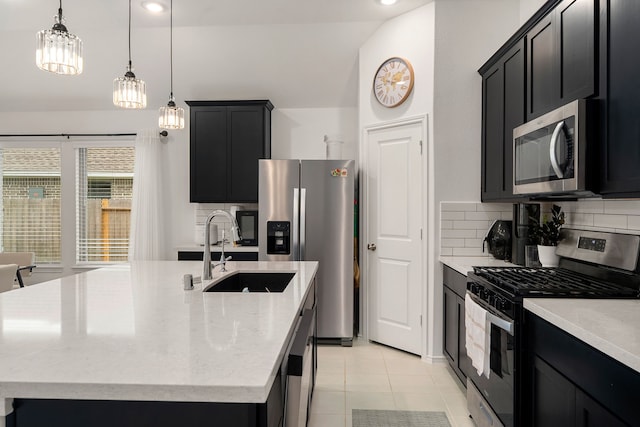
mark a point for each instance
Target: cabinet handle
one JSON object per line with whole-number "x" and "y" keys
{"x": 372, "y": 246}
{"x": 552, "y": 150}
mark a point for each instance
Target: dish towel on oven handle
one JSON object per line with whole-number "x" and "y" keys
{"x": 478, "y": 336}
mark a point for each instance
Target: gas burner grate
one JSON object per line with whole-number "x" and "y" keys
{"x": 525, "y": 281}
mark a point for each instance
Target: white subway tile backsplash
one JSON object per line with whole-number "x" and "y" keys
{"x": 446, "y": 251}
{"x": 463, "y": 226}
{"x": 487, "y": 216}
{"x": 619, "y": 207}
{"x": 633, "y": 222}
{"x": 458, "y": 234}
{"x": 473, "y": 243}
{"x": 452, "y": 215}
{"x": 579, "y": 219}
{"x": 610, "y": 221}
{"x": 468, "y": 252}
{"x": 452, "y": 243}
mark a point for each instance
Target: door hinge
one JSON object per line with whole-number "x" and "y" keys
{"x": 421, "y": 320}
{"x": 420, "y": 147}
{"x": 421, "y": 234}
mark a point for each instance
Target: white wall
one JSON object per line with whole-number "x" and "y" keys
{"x": 299, "y": 133}
{"x": 528, "y": 8}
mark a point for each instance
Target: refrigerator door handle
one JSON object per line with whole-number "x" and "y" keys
{"x": 303, "y": 222}
{"x": 296, "y": 224}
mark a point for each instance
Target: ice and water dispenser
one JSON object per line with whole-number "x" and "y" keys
{"x": 278, "y": 237}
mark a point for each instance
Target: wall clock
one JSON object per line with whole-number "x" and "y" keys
{"x": 393, "y": 82}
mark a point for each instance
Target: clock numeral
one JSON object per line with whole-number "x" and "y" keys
{"x": 379, "y": 86}
{"x": 404, "y": 87}
{"x": 380, "y": 93}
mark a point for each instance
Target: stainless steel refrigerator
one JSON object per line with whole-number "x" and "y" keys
{"x": 306, "y": 213}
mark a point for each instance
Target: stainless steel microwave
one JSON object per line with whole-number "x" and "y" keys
{"x": 550, "y": 152}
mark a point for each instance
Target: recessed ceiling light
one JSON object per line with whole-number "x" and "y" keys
{"x": 153, "y": 6}
{"x": 388, "y": 2}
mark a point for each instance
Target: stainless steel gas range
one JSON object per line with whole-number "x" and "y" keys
{"x": 592, "y": 265}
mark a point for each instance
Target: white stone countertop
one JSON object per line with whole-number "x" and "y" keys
{"x": 131, "y": 332}
{"x": 609, "y": 325}
{"x": 463, "y": 264}
{"x": 228, "y": 247}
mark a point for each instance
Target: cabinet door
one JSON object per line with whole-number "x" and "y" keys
{"x": 246, "y": 146}
{"x": 561, "y": 57}
{"x": 503, "y": 110}
{"x": 554, "y": 397}
{"x": 620, "y": 63}
{"x": 575, "y": 24}
{"x": 542, "y": 86}
{"x": 208, "y": 154}
{"x": 590, "y": 413}
{"x": 451, "y": 317}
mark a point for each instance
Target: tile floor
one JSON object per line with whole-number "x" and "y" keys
{"x": 373, "y": 376}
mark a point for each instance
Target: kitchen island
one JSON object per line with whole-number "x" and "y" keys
{"x": 129, "y": 338}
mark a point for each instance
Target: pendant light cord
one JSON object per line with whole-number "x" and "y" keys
{"x": 170, "y": 44}
{"x": 129, "y": 34}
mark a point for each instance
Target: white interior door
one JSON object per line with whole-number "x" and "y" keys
{"x": 394, "y": 229}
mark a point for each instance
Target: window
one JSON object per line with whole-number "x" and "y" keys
{"x": 104, "y": 182}
{"x": 37, "y": 194}
{"x": 31, "y": 218}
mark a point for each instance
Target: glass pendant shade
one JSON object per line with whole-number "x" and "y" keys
{"x": 59, "y": 51}
{"x": 171, "y": 117}
{"x": 129, "y": 92}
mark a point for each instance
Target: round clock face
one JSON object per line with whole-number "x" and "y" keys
{"x": 393, "y": 82}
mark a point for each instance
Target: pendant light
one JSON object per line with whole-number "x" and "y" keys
{"x": 171, "y": 117}
{"x": 128, "y": 91}
{"x": 57, "y": 50}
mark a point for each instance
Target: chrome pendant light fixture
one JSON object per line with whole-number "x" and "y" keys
{"x": 57, "y": 50}
{"x": 171, "y": 116}
{"x": 129, "y": 91}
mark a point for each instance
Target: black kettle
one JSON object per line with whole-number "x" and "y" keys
{"x": 498, "y": 239}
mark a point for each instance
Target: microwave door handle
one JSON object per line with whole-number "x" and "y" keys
{"x": 552, "y": 150}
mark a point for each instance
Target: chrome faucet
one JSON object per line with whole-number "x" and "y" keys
{"x": 235, "y": 232}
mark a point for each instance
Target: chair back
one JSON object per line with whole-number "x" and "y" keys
{"x": 7, "y": 276}
{"x": 19, "y": 258}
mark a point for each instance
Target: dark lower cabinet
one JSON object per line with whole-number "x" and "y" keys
{"x": 561, "y": 50}
{"x": 110, "y": 413}
{"x": 502, "y": 110}
{"x": 455, "y": 285}
{"x": 569, "y": 383}
{"x": 227, "y": 138}
{"x": 620, "y": 100}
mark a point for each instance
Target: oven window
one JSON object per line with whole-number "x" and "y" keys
{"x": 501, "y": 361}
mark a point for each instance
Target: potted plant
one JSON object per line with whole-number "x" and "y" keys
{"x": 547, "y": 235}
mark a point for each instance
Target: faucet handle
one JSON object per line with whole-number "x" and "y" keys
{"x": 228, "y": 258}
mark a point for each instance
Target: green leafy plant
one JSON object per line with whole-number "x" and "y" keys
{"x": 547, "y": 233}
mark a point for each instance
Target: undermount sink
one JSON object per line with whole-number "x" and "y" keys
{"x": 252, "y": 282}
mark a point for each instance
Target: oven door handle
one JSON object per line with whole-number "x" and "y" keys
{"x": 501, "y": 323}
{"x": 552, "y": 150}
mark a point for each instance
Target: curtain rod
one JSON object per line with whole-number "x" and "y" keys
{"x": 68, "y": 135}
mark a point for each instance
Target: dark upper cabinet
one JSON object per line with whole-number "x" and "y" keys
{"x": 620, "y": 98}
{"x": 227, "y": 138}
{"x": 503, "y": 104}
{"x": 561, "y": 51}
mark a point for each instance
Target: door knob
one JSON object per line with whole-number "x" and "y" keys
{"x": 372, "y": 246}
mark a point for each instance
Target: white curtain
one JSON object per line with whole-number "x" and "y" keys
{"x": 146, "y": 238}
